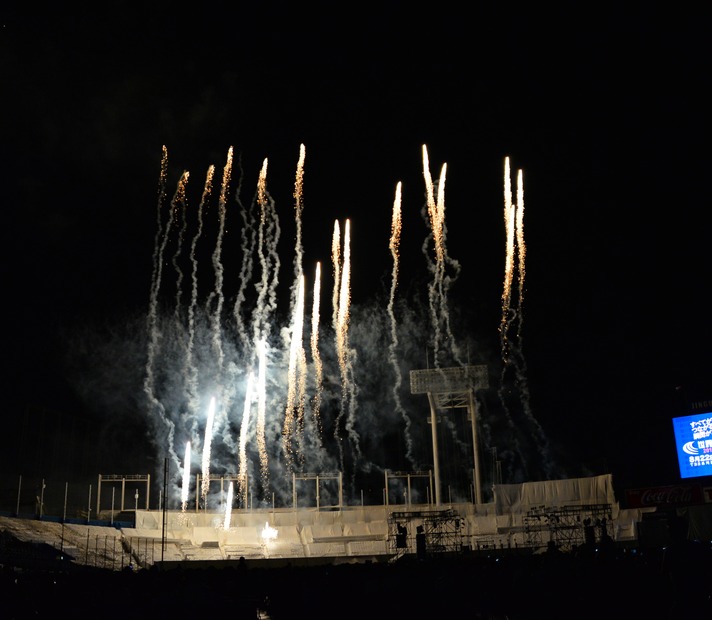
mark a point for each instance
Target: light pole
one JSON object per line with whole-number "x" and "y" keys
{"x": 136, "y": 504}
{"x": 42, "y": 498}
{"x": 19, "y": 488}
{"x": 64, "y": 515}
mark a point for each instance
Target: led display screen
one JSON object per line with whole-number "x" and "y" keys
{"x": 693, "y": 440}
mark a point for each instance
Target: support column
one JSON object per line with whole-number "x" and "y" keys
{"x": 436, "y": 458}
{"x": 472, "y": 409}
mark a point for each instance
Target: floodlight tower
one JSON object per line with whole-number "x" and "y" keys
{"x": 451, "y": 388}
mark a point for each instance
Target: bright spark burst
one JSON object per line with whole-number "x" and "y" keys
{"x": 228, "y": 506}
{"x": 206, "y": 449}
{"x": 268, "y": 533}
{"x": 186, "y": 477}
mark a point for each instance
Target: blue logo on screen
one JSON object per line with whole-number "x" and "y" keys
{"x": 689, "y": 448}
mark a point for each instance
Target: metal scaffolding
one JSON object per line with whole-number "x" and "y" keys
{"x": 424, "y": 532}
{"x": 568, "y": 527}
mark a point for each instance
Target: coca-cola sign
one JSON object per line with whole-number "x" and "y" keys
{"x": 673, "y": 495}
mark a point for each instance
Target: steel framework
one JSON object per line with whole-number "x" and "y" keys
{"x": 424, "y": 532}
{"x": 567, "y": 527}
{"x": 452, "y": 388}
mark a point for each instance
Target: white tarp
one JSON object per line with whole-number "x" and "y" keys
{"x": 520, "y": 498}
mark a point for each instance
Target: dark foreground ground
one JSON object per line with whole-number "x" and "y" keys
{"x": 669, "y": 582}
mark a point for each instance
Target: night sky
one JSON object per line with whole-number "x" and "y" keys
{"x": 604, "y": 112}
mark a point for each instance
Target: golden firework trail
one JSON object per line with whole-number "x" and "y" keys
{"x": 521, "y": 246}
{"x": 342, "y": 346}
{"x": 179, "y": 206}
{"x": 294, "y": 372}
{"x": 336, "y": 266}
{"x": 438, "y": 287}
{"x": 511, "y": 347}
{"x": 396, "y": 227}
{"x": 149, "y": 382}
{"x": 316, "y": 355}
{"x": 217, "y": 293}
{"x": 510, "y": 238}
{"x": 261, "y": 412}
{"x": 436, "y": 209}
{"x": 190, "y": 367}
{"x": 342, "y": 320}
{"x": 394, "y": 246}
{"x": 244, "y": 430}
{"x": 298, "y": 210}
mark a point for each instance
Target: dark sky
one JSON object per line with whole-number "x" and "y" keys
{"x": 605, "y": 113}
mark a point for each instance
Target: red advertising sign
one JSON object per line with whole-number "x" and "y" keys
{"x": 673, "y": 495}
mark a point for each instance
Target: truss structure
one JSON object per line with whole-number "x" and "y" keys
{"x": 450, "y": 388}
{"x": 567, "y": 527}
{"x": 424, "y": 531}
